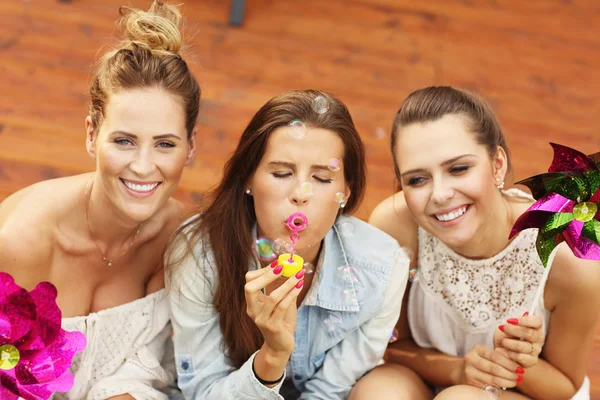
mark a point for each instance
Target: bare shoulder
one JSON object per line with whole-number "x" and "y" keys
{"x": 574, "y": 281}
{"x": 394, "y": 218}
{"x": 29, "y": 216}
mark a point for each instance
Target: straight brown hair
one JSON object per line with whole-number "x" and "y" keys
{"x": 225, "y": 226}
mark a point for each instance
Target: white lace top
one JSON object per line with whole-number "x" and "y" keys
{"x": 457, "y": 302}
{"x": 125, "y": 348}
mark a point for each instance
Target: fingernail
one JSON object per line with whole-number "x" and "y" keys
{"x": 274, "y": 264}
{"x": 278, "y": 270}
{"x": 520, "y": 370}
{"x": 526, "y": 313}
{"x": 300, "y": 284}
{"x": 300, "y": 274}
{"x": 513, "y": 321}
{"x": 501, "y": 327}
{"x": 519, "y": 379}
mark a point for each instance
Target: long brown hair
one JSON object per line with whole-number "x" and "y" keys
{"x": 148, "y": 56}
{"x": 228, "y": 220}
{"x": 434, "y": 102}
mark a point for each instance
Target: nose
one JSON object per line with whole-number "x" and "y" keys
{"x": 143, "y": 164}
{"x": 301, "y": 194}
{"x": 442, "y": 192}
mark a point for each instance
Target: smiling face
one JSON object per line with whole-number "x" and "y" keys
{"x": 294, "y": 176}
{"x": 140, "y": 150}
{"x": 448, "y": 179}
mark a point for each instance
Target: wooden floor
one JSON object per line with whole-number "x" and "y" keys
{"x": 537, "y": 62}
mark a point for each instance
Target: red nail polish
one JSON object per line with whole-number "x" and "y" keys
{"x": 278, "y": 270}
{"x": 274, "y": 264}
{"x": 300, "y": 284}
{"x": 520, "y": 370}
{"x": 300, "y": 274}
{"x": 519, "y": 379}
{"x": 513, "y": 321}
{"x": 501, "y": 327}
{"x": 526, "y": 313}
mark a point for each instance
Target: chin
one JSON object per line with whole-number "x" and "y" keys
{"x": 140, "y": 213}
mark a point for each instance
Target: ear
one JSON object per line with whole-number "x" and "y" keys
{"x": 189, "y": 159}
{"x": 90, "y": 137}
{"x": 500, "y": 164}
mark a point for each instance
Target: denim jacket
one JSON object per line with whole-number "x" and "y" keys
{"x": 342, "y": 330}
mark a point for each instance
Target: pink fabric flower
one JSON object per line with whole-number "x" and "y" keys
{"x": 30, "y": 329}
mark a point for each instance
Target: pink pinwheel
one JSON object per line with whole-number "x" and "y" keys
{"x": 568, "y": 199}
{"x": 35, "y": 353}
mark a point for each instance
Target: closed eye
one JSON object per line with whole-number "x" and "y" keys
{"x": 459, "y": 169}
{"x": 281, "y": 176}
{"x": 321, "y": 180}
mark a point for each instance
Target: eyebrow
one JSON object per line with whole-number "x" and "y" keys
{"x": 132, "y": 136}
{"x": 447, "y": 162}
{"x": 293, "y": 166}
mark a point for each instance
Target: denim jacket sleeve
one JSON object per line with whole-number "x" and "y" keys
{"x": 204, "y": 371}
{"x": 358, "y": 353}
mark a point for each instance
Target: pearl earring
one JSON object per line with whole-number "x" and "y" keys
{"x": 500, "y": 186}
{"x": 248, "y": 192}
{"x": 342, "y": 204}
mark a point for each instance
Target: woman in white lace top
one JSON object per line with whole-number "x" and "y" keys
{"x": 482, "y": 312}
{"x": 99, "y": 237}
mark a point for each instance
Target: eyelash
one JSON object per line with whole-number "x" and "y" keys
{"x": 283, "y": 176}
{"x": 457, "y": 170}
{"x": 125, "y": 142}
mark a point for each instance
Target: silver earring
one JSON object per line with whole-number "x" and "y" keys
{"x": 248, "y": 192}
{"x": 342, "y": 204}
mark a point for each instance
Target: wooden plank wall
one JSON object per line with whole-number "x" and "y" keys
{"x": 536, "y": 61}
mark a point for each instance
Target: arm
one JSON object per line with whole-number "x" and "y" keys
{"x": 203, "y": 368}
{"x": 393, "y": 217}
{"x": 358, "y": 353}
{"x": 575, "y": 303}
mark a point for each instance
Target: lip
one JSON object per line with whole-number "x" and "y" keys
{"x": 139, "y": 195}
{"x": 454, "y": 221}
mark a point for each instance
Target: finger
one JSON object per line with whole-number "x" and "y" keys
{"x": 500, "y": 357}
{"x": 252, "y": 275}
{"x": 524, "y": 360}
{"x": 533, "y": 321}
{"x": 273, "y": 299}
{"x": 520, "y": 346}
{"x": 253, "y": 288}
{"x": 486, "y": 379}
{"x": 525, "y": 333}
{"x": 288, "y": 302}
{"x": 498, "y": 365}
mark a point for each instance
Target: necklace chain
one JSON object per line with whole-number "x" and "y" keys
{"x": 109, "y": 261}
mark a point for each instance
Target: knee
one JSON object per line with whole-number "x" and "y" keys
{"x": 463, "y": 392}
{"x": 390, "y": 382}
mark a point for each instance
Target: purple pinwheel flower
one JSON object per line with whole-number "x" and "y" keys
{"x": 567, "y": 206}
{"x": 35, "y": 353}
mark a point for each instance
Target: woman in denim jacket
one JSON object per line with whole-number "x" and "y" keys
{"x": 241, "y": 329}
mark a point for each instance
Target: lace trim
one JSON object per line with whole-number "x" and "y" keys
{"x": 478, "y": 294}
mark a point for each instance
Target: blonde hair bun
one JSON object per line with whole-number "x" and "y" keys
{"x": 156, "y": 30}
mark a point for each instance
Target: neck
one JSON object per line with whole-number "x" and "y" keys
{"x": 108, "y": 227}
{"x": 492, "y": 236}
